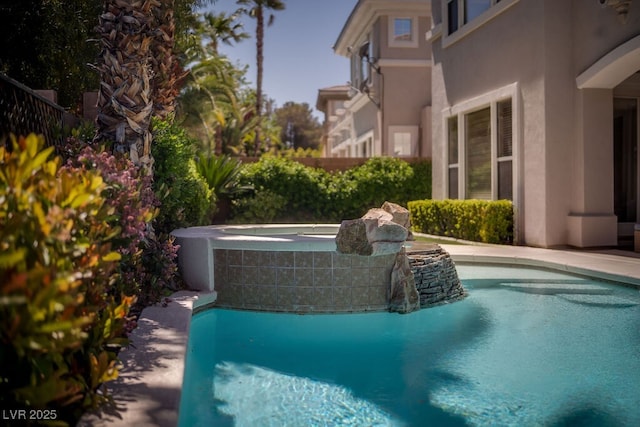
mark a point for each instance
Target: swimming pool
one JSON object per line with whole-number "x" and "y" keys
{"x": 526, "y": 347}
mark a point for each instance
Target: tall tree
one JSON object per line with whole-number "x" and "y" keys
{"x": 167, "y": 71}
{"x": 299, "y": 128}
{"x": 125, "y": 102}
{"x": 214, "y": 107}
{"x": 219, "y": 28}
{"x": 256, "y": 10}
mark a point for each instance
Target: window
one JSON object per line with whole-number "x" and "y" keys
{"x": 505, "y": 149}
{"x": 355, "y": 71}
{"x": 403, "y": 32}
{"x": 453, "y": 15}
{"x": 402, "y": 144}
{"x": 461, "y": 12}
{"x": 475, "y": 8}
{"x": 366, "y": 55}
{"x": 478, "y": 149}
{"x": 404, "y": 140}
{"x": 452, "y": 142}
{"x": 364, "y": 145}
{"x": 480, "y": 152}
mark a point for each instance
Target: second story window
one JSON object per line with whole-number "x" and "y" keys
{"x": 403, "y": 32}
{"x": 461, "y": 12}
{"x": 366, "y": 56}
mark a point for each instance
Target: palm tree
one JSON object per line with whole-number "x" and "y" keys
{"x": 167, "y": 72}
{"x": 223, "y": 28}
{"x": 125, "y": 97}
{"x": 255, "y": 9}
{"x": 212, "y": 101}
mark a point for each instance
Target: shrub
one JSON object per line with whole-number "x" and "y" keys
{"x": 378, "y": 180}
{"x": 312, "y": 194}
{"x": 148, "y": 265}
{"x": 263, "y": 207}
{"x": 62, "y": 327}
{"x": 184, "y": 195}
{"x": 419, "y": 187}
{"x": 302, "y": 188}
{"x": 498, "y": 224}
{"x": 475, "y": 220}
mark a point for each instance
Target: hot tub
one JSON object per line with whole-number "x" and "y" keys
{"x": 282, "y": 267}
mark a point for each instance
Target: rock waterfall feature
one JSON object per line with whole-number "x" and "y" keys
{"x": 418, "y": 279}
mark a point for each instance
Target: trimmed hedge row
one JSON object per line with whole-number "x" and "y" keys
{"x": 474, "y": 220}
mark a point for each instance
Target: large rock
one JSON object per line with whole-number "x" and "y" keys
{"x": 376, "y": 233}
{"x": 403, "y": 295}
{"x": 352, "y": 238}
{"x": 400, "y": 216}
{"x": 385, "y": 235}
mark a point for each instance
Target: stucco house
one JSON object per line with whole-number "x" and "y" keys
{"x": 389, "y": 95}
{"x": 537, "y": 101}
{"x": 331, "y": 101}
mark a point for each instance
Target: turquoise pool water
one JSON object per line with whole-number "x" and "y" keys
{"x": 526, "y": 347}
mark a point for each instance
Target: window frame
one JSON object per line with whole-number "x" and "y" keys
{"x": 453, "y": 164}
{"x": 364, "y": 145}
{"x": 413, "y": 131}
{"x": 465, "y": 28}
{"x": 413, "y": 43}
{"x": 460, "y": 111}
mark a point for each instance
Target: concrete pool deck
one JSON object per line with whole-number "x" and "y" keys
{"x": 148, "y": 390}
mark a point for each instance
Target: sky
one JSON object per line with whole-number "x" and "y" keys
{"x": 298, "y": 54}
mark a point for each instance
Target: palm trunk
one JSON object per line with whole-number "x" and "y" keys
{"x": 167, "y": 72}
{"x": 125, "y": 102}
{"x": 259, "y": 65}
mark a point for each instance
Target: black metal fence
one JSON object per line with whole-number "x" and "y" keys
{"x": 22, "y": 111}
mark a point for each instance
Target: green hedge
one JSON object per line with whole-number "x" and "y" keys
{"x": 185, "y": 197}
{"x": 293, "y": 192}
{"x": 475, "y": 220}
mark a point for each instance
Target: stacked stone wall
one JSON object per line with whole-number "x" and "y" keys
{"x": 436, "y": 277}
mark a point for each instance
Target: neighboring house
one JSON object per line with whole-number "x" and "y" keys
{"x": 537, "y": 101}
{"x": 388, "y": 113}
{"x": 336, "y": 129}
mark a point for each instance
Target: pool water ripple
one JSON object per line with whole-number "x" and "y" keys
{"x": 565, "y": 355}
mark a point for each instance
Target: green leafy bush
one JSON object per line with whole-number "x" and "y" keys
{"x": 302, "y": 188}
{"x": 263, "y": 207}
{"x": 475, "y": 220}
{"x": 148, "y": 266}
{"x": 185, "y": 198}
{"x": 62, "y": 325}
{"x": 378, "y": 180}
{"x": 314, "y": 195}
{"x": 419, "y": 187}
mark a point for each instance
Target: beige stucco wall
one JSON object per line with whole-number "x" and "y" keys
{"x": 476, "y": 65}
{"x": 423, "y": 50}
{"x": 565, "y": 183}
{"x": 402, "y": 90}
{"x": 405, "y": 94}
{"x": 365, "y": 120}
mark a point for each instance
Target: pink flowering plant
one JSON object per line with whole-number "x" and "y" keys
{"x": 148, "y": 265}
